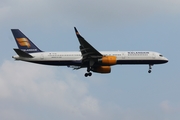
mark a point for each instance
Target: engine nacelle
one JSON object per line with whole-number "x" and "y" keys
{"x": 108, "y": 60}
{"x": 102, "y": 69}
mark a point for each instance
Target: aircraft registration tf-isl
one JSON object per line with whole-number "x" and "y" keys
{"x": 88, "y": 57}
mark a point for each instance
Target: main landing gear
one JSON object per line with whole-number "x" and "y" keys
{"x": 88, "y": 73}
{"x": 150, "y": 67}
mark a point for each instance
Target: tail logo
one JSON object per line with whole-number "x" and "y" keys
{"x": 23, "y": 42}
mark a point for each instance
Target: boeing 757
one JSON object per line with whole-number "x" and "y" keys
{"x": 88, "y": 57}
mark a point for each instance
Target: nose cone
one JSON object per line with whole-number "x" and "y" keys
{"x": 165, "y": 60}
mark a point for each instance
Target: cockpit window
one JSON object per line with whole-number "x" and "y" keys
{"x": 161, "y": 55}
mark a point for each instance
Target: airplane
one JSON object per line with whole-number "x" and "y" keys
{"x": 88, "y": 57}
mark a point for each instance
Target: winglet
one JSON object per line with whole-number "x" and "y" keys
{"x": 22, "y": 53}
{"x": 76, "y": 31}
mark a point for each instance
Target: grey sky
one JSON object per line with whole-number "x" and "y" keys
{"x": 36, "y": 92}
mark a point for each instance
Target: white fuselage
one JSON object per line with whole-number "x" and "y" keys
{"x": 74, "y": 58}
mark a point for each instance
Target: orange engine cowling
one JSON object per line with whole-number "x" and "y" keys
{"x": 102, "y": 69}
{"x": 108, "y": 60}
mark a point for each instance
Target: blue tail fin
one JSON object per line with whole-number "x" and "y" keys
{"x": 23, "y": 42}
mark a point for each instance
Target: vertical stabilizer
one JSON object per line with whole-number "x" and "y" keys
{"x": 24, "y": 43}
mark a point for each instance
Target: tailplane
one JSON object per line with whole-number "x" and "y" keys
{"x": 24, "y": 43}
{"x": 22, "y": 53}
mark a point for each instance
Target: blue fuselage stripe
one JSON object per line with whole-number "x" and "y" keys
{"x": 79, "y": 63}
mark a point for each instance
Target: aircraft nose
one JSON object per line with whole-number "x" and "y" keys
{"x": 165, "y": 60}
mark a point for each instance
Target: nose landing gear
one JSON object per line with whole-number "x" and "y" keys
{"x": 150, "y": 67}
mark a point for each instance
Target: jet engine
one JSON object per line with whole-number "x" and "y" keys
{"x": 102, "y": 69}
{"x": 108, "y": 60}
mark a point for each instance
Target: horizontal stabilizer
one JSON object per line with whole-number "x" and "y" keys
{"x": 22, "y": 53}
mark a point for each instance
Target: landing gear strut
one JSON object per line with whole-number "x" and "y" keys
{"x": 150, "y": 67}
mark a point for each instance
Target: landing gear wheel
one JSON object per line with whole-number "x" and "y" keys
{"x": 87, "y": 74}
{"x": 149, "y": 71}
{"x": 90, "y": 73}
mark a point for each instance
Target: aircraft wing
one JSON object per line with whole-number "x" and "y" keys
{"x": 88, "y": 52}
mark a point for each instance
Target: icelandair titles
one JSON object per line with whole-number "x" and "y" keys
{"x": 29, "y": 50}
{"x": 138, "y": 53}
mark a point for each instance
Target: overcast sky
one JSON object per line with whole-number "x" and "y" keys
{"x": 36, "y": 92}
